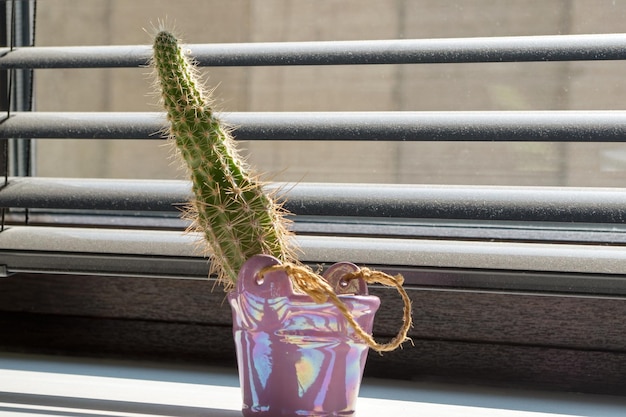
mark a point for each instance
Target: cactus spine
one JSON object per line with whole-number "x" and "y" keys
{"x": 230, "y": 208}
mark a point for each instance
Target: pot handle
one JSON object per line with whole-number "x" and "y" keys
{"x": 270, "y": 285}
{"x": 335, "y": 276}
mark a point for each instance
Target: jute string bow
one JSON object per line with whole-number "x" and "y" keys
{"x": 320, "y": 291}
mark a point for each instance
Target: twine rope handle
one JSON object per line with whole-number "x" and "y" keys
{"x": 320, "y": 291}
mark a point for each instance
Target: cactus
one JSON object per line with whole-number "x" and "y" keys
{"x": 230, "y": 208}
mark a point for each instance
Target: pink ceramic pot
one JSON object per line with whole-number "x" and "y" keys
{"x": 297, "y": 357}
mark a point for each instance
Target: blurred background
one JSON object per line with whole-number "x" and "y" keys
{"x": 509, "y": 86}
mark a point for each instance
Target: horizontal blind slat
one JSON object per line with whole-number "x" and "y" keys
{"x": 393, "y": 51}
{"x": 567, "y": 204}
{"x": 540, "y": 126}
{"x": 111, "y": 251}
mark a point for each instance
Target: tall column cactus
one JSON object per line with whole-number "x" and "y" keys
{"x": 230, "y": 207}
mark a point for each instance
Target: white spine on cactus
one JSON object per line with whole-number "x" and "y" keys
{"x": 231, "y": 209}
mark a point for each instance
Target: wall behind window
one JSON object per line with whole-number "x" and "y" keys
{"x": 528, "y": 86}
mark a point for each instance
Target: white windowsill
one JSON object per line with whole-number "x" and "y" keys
{"x": 53, "y": 386}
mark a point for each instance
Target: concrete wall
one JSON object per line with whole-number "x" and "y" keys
{"x": 532, "y": 86}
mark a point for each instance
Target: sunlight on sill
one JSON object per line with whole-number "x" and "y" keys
{"x": 50, "y": 386}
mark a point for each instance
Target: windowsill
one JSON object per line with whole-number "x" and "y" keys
{"x": 52, "y": 386}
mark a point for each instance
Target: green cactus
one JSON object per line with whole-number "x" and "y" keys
{"x": 237, "y": 218}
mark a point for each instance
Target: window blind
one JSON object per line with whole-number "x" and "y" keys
{"x": 528, "y": 206}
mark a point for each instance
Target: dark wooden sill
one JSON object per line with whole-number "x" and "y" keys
{"x": 560, "y": 342}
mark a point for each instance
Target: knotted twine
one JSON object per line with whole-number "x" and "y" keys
{"x": 320, "y": 291}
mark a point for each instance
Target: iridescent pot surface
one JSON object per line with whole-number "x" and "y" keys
{"x": 297, "y": 357}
